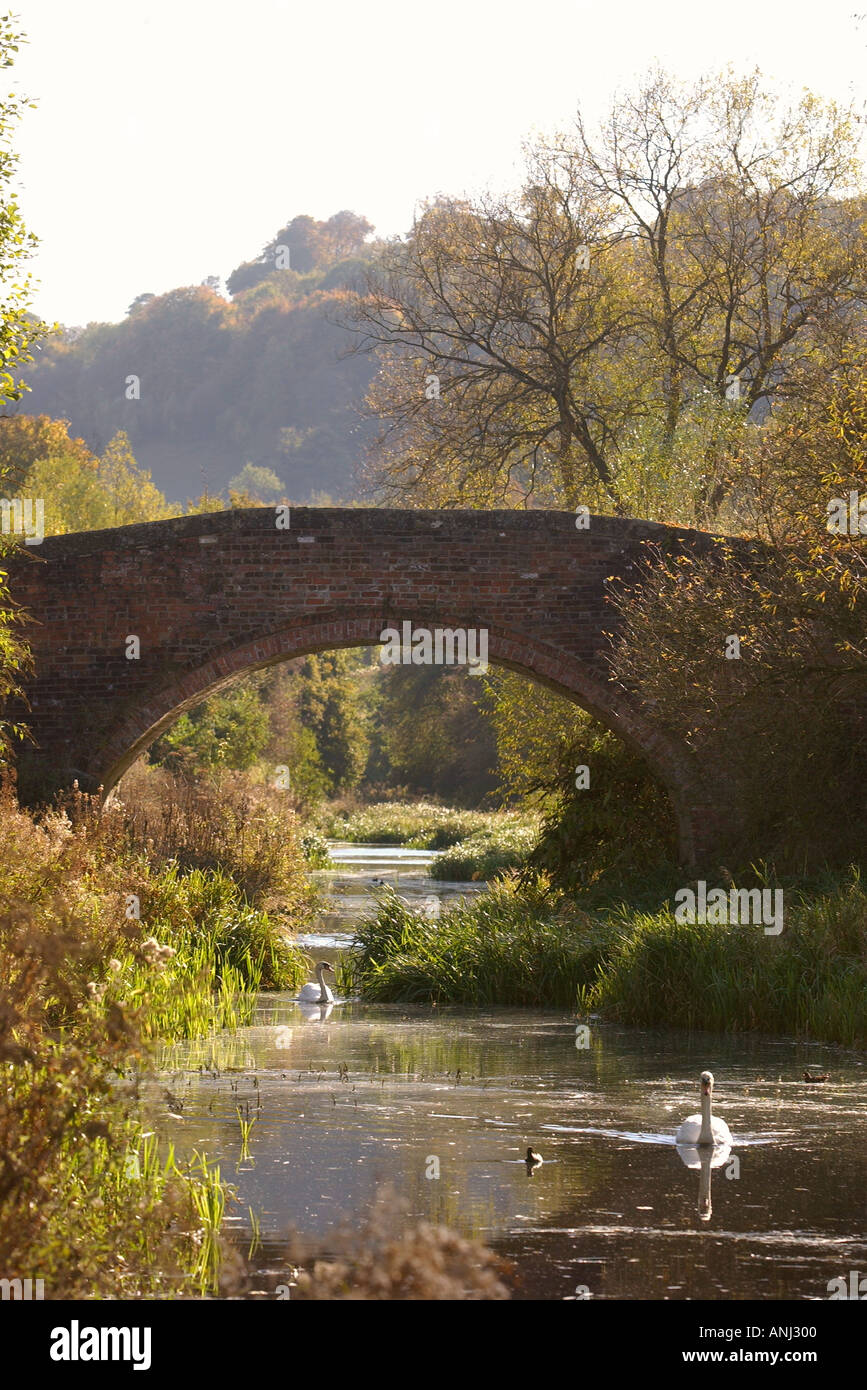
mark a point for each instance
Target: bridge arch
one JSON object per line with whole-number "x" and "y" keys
{"x": 216, "y": 595}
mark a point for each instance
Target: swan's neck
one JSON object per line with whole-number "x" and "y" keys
{"x": 324, "y": 992}
{"x": 705, "y": 1134}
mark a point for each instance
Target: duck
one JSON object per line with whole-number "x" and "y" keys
{"x": 318, "y": 993}
{"x": 533, "y": 1160}
{"x": 704, "y": 1129}
{"x": 816, "y": 1076}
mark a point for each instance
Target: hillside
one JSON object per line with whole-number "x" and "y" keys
{"x": 265, "y": 376}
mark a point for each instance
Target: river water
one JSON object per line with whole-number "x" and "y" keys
{"x": 441, "y": 1104}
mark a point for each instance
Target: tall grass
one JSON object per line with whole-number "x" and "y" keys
{"x": 86, "y": 1201}
{"x": 223, "y": 821}
{"x": 810, "y": 981}
{"x": 417, "y": 825}
{"x": 112, "y": 943}
{"x": 529, "y": 945}
{"x": 505, "y": 948}
{"x": 485, "y": 853}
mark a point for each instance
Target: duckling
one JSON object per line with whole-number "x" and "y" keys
{"x": 533, "y": 1161}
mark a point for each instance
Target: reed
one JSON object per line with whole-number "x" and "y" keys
{"x": 485, "y": 854}
{"x": 530, "y": 945}
{"x": 811, "y": 981}
{"x": 209, "y": 1195}
{"x": 245, "y": 1123}
{"x": 506, "y": 948}
{"x": 418, "y": 825}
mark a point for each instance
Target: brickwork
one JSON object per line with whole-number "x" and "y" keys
{"x": 215, "y": 595}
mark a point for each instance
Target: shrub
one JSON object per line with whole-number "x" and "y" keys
{"x": 505, "y": 948}
{"x": 485, "y": 854}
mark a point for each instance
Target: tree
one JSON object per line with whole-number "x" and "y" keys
{"x": 751, "y": 242}
{"x": 140, "y": 302}
{"x": 702, "y": 251}
{"x": 256, "y": 484}
{"x": 329, "y": 707}
{"x": 491, "y": 325}
{"x": 26, "y": 438}
{"x": 430, "y": 734}
{"x": 74, "y": 498}
{"x": 19, "y": 330}
{"x": 132, "y": 496}
{"x": 302, "y": 246}
{"x": 229, "y": 730}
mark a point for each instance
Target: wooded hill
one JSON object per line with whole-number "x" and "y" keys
{"x": 263, "y": 377}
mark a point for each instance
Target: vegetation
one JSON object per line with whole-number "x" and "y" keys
{"x": 531, "y": 946}
{"x": 809, "y": 982}
{"x": 418, "y": 825}
{"x": 119, "y": 931}
{"x": 257, "y": 381}
{"x": 19, "y": 330}
{"x": 430, "y": 734}
{"x": 390, "y": 1258}
{"x": 504, "y": 948}
{"x": 666, "y": 321}
{"x": 604, "y": 336}
{"x": 224, "y": 823}
{"x": 78, "y": 981}
{"x": 486, "y": 853}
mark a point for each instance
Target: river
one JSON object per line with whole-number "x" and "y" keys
{"x": 348, "y": 1099}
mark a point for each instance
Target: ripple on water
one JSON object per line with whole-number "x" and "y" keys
{"x": 356, "y": 1101}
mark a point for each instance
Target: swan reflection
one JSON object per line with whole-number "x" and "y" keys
{"x": 705, "y": 1158}
{"x": 313, "y": 1012}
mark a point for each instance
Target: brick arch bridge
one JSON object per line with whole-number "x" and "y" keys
{"x": 212, "y": 596}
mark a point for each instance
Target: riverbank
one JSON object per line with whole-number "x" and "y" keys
{"x": 158, "y": 923}
{"x": 529, "y": 944}
{"x": 121, "y": 929}
{"x": 472, "y": 846}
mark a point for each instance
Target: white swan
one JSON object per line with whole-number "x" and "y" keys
{"x": 319, "y": 993}
{"x": 704, "y": 1129}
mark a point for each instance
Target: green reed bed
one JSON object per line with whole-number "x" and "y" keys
{"x": 505, "y": 948}
{"x": 417, "y": 825}
{"x": 203, "y": 954}
{"x": 528, "y": 945}
{"x": 104, "y": 1195}
{"x": 810, "y": 981}
{"x": 486, "y": 853}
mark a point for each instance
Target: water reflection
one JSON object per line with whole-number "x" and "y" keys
{"x": 706, "y": 1158}
{"x": 370, "y": 1094}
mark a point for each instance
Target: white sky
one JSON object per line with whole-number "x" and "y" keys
{"x": 173, "y": 138}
